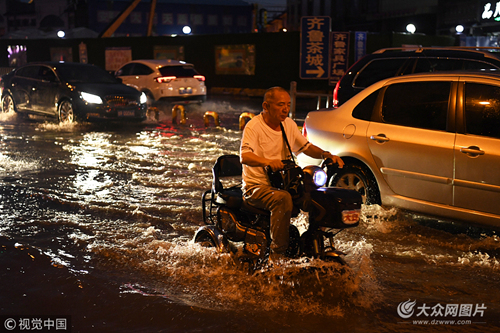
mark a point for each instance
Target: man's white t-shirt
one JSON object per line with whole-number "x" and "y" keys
{"x": 263, "y": 141}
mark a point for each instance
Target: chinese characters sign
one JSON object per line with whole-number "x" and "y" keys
{"x": 340, "y": 56}
{"x": 117, "y": 56}
{"x": 491, "y": 11}
{"x": 314, "y": 47}
{"x": 360, "y": 47}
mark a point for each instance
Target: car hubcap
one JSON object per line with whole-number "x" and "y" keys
{"x": 8, "y": 105}
{"x": 66, "y": 113}
{"x": 353, "y": 182}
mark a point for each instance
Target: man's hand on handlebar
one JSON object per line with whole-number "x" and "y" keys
{"x": 276, "y": 165}
{"x": 335, "y": 159}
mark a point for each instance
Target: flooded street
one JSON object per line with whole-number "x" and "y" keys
{"x": 97, "y": 223}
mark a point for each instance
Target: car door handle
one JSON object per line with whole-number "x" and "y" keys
{"x": 472, "y": 151}
{"x": 380, "y": 138}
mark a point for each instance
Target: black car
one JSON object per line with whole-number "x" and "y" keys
{"x": 70, "y": 92}
{"x": 386, "y": 63}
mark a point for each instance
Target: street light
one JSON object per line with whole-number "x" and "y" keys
{"x": 61, "y": 34}
{"x": 186, "y": 29}
{"x": 411, "y": 28}
{"x": 459, "y": 29}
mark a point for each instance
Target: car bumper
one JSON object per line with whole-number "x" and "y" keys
{"x": 101, "y": 113}
{"x": 192, "y": 99}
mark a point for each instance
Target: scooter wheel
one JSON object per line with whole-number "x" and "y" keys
{"x": 210, "y": 237}
{"x": 307, "y": 245}
{"x": 205, "y": 239}
{"x": 294, "y": 243}
{"x": 334, "y": 256}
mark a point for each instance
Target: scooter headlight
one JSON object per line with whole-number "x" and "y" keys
{"x": 319, "y": 178}
{"x": 318, "y": 175}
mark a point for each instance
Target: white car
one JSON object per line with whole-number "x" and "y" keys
{"x": 428, "y": 143}
{"x": 165, "y": 80}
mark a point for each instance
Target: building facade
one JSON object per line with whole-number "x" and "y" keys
{"x": 171, "y": 16}
{"x": 40, "y": 18}
{"x": 479, "y": 18}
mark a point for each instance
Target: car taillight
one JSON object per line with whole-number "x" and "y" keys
{"x": 165, "y": 79}
{"x": 199, "y": 77}
{"x": 335, "y": 95}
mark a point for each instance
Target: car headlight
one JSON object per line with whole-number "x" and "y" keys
{"x": 316, "y": 174}
{"x": 91, "y": 98}
{"x": 143, "y": 99}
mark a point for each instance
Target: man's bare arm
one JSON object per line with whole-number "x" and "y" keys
{"x": 253, "y": 160}
{"x": 316, "y": 152}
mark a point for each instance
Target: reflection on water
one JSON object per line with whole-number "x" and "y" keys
{"x": 108, "y": 214}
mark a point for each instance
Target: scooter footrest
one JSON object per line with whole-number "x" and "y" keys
{"x": 332, "y": 252}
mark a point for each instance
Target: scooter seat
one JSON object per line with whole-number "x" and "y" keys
{"x": 231, "y": 197}
{"x": 246, "y": 207}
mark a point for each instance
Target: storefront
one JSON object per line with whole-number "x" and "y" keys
{"x": 486, "y": 31}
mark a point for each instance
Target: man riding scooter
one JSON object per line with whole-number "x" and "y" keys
{"x": 268, "y": 139}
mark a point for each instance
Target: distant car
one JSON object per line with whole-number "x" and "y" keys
{"x": 428, "y": 143}
{"x": 165, "y": 80}
{"x": 69, "y": 92}
{"x": 391, "y": 62}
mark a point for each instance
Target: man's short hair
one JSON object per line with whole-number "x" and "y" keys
{"x": 269, "y": 94}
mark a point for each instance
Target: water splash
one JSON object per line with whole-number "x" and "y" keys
{"x": 62, "y": 127}
{"x": 9, "y": 117}
{"x": 13, "y": 166}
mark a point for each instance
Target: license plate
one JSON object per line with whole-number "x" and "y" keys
{"x": 126, "y": 113}
{"x": 351, "y": 216}
{"x": 185, "y": 91}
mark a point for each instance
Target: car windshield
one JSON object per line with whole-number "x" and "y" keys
{"x": 84, "y": 74}
{"x": 178, "y": 71}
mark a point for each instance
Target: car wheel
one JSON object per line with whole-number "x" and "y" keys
{"x": 8, "y": 104}
{"x": 355, "y": 177}
{"x": 66, "y": 112}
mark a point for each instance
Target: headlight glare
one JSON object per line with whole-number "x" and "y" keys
{"x": 319, "y": 178}
{"x": 91, "y": 98}
{"x": 143, "y": 99}
{"x": 315, "y": 175}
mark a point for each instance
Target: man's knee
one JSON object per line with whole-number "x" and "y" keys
{"x": 284, "y": 199}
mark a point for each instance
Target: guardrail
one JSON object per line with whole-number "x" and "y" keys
{"x": 294, "y": 94}
{"x": 179, "y": 110}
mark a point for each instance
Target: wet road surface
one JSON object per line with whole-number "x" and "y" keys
{"x": 97, "y": 223}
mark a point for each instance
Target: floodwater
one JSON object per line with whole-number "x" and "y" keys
{"x": 97, "y": 223}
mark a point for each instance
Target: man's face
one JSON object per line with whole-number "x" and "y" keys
{"x": 279, "y": 106}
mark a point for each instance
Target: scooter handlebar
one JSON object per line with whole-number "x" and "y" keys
{"x": 329, "y": 164}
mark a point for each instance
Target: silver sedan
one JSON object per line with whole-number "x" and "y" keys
{"x": 429, "y": 143}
